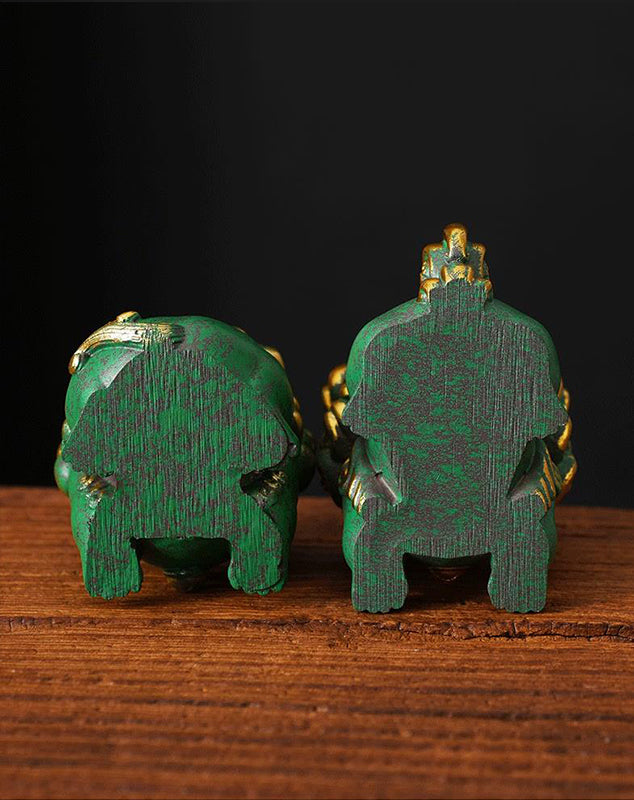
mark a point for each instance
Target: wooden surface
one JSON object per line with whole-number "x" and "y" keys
{"x": 164, "y": 695}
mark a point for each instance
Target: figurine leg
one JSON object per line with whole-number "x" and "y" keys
{"x": 519, "y": 570}
{"x": 259, "y": 555}
{"x": 111, "y": 564}
{"x": 378, "y": 576}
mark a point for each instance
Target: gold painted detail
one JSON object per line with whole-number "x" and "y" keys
{"x": 567, "y": 482}
{"x": 564, "y": 440}
{"x": 95, "y": 485}
{"x": 337, "y": 375}
{"x": 427, "y": 285}
{"x": 354, "y": 490}
{"x": 272, "y": 351}
{"x": 126, "y": 329}
{"x": 332, "y": 426}
{"x": 567, "y": 399}
{"x": 550, "y": 482}
{"x": 453, "y": 259}
{"x": 334, "y": 398}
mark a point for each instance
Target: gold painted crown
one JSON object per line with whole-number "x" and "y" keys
{"x": 454, "y": 258}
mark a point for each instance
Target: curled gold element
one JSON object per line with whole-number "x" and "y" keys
{"x": 567, "y": 482}
{"x": 456, "y": 238}
{"x": 426, "y": 256}
{"x": 552, "y": 474}
{"x": 426, "y": 287}
{"x": 564, "y": 439}
{"x": 567, "y": 399}
{"x": 133, "y": 332}
{"x": 560, "y": 391}
{"x": 542, "y": 498}
{"x": 272, "y": 351}
{"x": 326, "y": 397}
{"x": 338, "y": 408}
{"x": 337, "y": 375}
{"x": 331, "y": 424}
{"x": 127, "y": 316}
{"x": 345, "y": 469}
{"x": 299, "y": 422}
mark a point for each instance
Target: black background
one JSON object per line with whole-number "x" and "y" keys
{"x": 280, "y": 167}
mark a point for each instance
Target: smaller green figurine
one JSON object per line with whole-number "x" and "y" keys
{"x": 448, "y": 438}
{"x": 183, "y": 446}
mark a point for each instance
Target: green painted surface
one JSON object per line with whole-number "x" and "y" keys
{"x": 454, "y": 404}
{"x": 182, "y": 451}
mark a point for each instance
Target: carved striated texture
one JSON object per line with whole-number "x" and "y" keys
{"x": 182, "y": 445}
{"x": 455, "y": 402}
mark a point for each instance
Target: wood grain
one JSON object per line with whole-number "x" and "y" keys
{"x": 295, "y": 695}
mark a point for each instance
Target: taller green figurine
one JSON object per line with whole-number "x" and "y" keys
{"x": 183, "y": 445}
{"x": 449, "y": 431}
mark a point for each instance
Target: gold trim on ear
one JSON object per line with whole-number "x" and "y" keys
{"x": 127, "y": 328}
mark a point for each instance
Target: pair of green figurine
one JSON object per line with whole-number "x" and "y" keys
{"x": 447, "y": 438}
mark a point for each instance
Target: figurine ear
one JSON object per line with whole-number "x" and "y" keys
{"x": 265, "y": 441}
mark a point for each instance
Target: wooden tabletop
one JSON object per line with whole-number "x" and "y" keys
{"x": 295, "y": 695}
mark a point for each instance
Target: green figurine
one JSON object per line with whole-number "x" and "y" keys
{"x": 448, "y": 438}
{"x": 183, "y": 446}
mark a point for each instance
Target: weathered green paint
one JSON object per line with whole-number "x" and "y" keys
{"x": 453, "y": 399}
{"x": 183, "y": 451}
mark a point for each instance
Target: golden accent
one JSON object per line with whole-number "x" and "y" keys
{"x": 459, "y": 271}
{"x": 487, "y": 285}
{"x": 338, "y": 407}
{"x": 133, "y": 332}
{"x": 94, "y": 484}
{"x": 560, "y": 391}
{"x": 564, "y": 439}
{"x": 326, "y": 397}
{"x": 426, "y": 256}
{"x": 541, "y": 497}
{"x": 549, "y": 477}
{"x": 426, "y": 287}
{"x": 330, "y": 422}
{"x": 345, "y": 469}
{"x": 552, "y": 473}
{"x": 567, "y": 482}
{"x": 453, "y": 249}
{"x": 337, "y": 375}
{"x": 456, "y": 238}
{"x": 272, "y": 351}
{"x": 127, "y": 316}
{"x": 567, "y": 399}
{"x": 299, "y": 422}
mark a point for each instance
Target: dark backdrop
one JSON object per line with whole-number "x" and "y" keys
{"x": 280, "y": 167}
